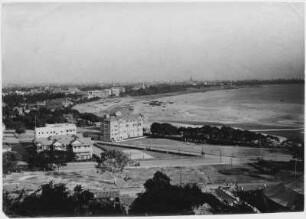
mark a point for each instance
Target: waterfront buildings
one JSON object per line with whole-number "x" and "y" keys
{"x": 55, "y": 129}
{"x": 119, "y": 126}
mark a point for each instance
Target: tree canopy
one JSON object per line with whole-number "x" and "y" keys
{"x": 111, "y": 160}
{"x": 56, "y": 200}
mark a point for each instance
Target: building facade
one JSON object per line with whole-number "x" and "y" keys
{"x": 116, "y": 91}
{"x": 55, "y": 129}
{"x": 117, "y": 126}
{"x": 81, "y": 147}
{"x": 99, "y": 93}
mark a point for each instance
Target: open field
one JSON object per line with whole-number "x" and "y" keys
{"x": 131, "y": 181}
{"x": 155, "y": 155}
{"x": 238, "y": 152}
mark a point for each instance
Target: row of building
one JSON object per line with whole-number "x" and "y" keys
{"x": 63, "y": 137}
{"x": 115, "y": 127}
{"x": 114, "y": 91}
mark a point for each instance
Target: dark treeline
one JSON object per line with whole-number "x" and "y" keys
{"x": 214, "y": 135}
{"x": 256, "y": 198}
{"x": 163, "y": 198}
{"x": 274, "y": 81}
{"x": 168, "y": 88}
{"x": 159, "y": 89}
{"x": 56, "y": 200}
{"x": 17, "y": 99}
{"x": 43, "y": 116}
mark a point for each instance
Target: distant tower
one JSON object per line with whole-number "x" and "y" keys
{"x": 191, "y": 79}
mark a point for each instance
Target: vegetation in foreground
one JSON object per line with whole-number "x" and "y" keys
{"x": 56, "y": 200}
{"x": 162, "y": 198}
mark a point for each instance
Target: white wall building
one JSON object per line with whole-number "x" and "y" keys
{"x": 81, "y": 147}
{"x": 55, "y": 129}
{"x": 99, "y": 93}
{"x": 117, "y": 127}
{"x": 116, "y": 91}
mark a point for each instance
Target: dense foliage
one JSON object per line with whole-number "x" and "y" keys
{"x": 55, "y": 200}
{"x": 9, "y": 160}
{"x": 111, "y": 160}
{"x": 43, "y": 116}
{"x": 157, "y": 89}
{"x": 162, "y": 198}
{"x": 16, "y": 99}
{"x": 214, "y": 135}
{"x": 50, "y": 159}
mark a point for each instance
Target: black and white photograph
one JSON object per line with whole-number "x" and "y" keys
{"x": 175, "y": 108}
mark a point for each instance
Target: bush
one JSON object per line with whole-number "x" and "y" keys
{"x": 55, "y": 200}
{"x": 112, "y": 160}
{"x": 20, "y": 130}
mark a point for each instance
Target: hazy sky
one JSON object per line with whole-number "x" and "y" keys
{"x": 104, "y": 42}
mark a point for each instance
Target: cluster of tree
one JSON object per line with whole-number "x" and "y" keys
{"x": 163, "y": 198}
{"x": 86, "y": 100}
{"x": 40, "y": 117}
{"x": 56, "y": 200}
{"x": 111, "y": 160}
{"x": 9, "y": 160}
{"x": 274, "y": 81}
{"x": 50, "y": 159}
{"x": 157, "y": 89}
{"x": 296, "y": 147}
{"x": 214, "y": 135}
{"x": 16, "y": 99}
{"x": 43, "y": 116}
{"x": 256, "y": 198}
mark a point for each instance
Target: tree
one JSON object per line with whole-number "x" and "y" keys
{"x": 20, "y": 130}
{"x": 162, "y": 198}
{"x": 112, "y": 160}
{"x": 56, "y": 200}
{"x": 82, "y": 200}
{"x": 50, "y": 159}
{"x": 9, "y": 160}
{"x": 164, "y": 129}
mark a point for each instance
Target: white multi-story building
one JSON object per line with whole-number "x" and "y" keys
{"x": 116, "y": 91}
{"x": 118, "y": 126}
{"x": 99, "y": 93}
{"x": 55, "y": 129}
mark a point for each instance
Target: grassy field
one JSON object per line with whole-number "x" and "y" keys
{"x": 131, "y": 181}
{"x": 155, "y": 155}
{"x": 216, "y": 150}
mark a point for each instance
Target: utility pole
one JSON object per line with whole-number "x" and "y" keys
{"x": 295, "y": 168}
{"x": 180, "y": 177}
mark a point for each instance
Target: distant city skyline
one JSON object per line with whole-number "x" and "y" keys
{"x": 136, "y": 42}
